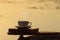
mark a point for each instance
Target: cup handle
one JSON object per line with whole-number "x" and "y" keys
{"x": 30, "y": 23}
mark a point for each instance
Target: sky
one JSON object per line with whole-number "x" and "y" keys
{"x": 44, "y": 14}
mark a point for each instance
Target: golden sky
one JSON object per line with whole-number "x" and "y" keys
{"x": 44, "y": 14}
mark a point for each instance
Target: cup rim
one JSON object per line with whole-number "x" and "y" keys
{"x": 23, "y": 21}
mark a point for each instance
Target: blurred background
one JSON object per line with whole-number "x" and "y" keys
{"x": 44, "y": 14}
